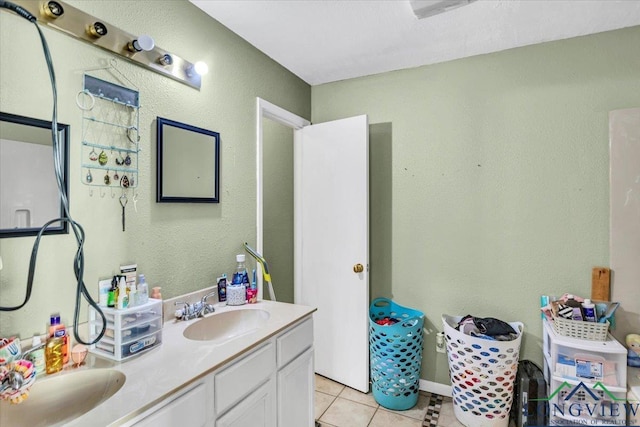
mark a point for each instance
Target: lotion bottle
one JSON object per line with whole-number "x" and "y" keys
{"x": 589, "y": 310}
{"x": 122, "y": 294}
{"x": 57, "y": 330}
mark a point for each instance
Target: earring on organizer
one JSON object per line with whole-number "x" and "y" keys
{"x": 119, "y": 161}
{"x": 102, "y": 158}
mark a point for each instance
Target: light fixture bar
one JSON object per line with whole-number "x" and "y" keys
{"x": 137, "y": 49}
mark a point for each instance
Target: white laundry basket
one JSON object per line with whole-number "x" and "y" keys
{"x": 482, "y": 375}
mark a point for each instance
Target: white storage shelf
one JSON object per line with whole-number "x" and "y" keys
{"x": 596, "y": 374}
{"x": 129, "y": 332}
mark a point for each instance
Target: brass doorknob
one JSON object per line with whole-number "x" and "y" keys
{"x": 358, "y": 268}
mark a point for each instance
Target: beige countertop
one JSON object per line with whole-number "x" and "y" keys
{"x": 177, "y": 362}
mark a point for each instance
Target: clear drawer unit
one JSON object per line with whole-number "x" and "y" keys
{"x": 129, "y": 332}
{"x": 587, "y": 380}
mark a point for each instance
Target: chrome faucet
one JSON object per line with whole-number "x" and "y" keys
{"x": 196, "y": 309}
{"x": 207, "y": 308}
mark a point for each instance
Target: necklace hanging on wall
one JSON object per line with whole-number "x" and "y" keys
{"x": 107, "y": 179}
{"x": 89, "y": 177}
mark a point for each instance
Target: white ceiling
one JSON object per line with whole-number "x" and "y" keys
{"x": 322, "y": 41}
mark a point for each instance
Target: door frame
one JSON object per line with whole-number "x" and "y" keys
{"x": 267, "y": 110}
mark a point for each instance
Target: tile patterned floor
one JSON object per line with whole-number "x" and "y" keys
{"x": 339, "y": 406}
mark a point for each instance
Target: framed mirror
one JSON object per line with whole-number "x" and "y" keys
{"x": 28, "y": 190}
{"x": 188, "y": 169}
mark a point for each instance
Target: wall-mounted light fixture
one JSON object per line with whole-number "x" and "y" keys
{"x": 165, "y": 59}
{"x": 140, "y": 50}
{"x": 52, "y": 9}
{"x": 199, "y": 68}
{"x": 144, "y": 42}
{"x": 97, "y": 29}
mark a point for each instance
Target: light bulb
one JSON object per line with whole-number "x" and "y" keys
{"x": 201, "y": 68}
{"x": 143, "y": 42}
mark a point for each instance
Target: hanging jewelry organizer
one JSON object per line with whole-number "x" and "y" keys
{"x": 110, "y": 134}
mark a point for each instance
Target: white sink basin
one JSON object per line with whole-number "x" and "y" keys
{"x": 55, "y": 400}
{"x": 221, "y": 327}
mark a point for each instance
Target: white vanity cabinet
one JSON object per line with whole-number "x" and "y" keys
{"x": 296, "y": 376}
{"x": 270, "y": 385}
{"x": 245, "y": 393}
{"x": 189, "y": 404}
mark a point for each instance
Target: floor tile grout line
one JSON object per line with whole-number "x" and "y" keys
{"x": 328, "y": 406}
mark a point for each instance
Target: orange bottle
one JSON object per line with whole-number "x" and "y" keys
{"x": 57, "y": 330}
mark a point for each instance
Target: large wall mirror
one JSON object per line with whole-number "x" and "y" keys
{"x": 188, "y": 163}
{"x": 29, "y": 194}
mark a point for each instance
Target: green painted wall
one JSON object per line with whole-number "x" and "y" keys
{"x": 499, "y": 176}
{"x": 181, "y": 247}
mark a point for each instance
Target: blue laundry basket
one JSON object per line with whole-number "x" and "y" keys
{"x": 395, "y": 353}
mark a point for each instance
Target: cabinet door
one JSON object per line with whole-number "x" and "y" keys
{"x": 237, "y": 380}
{"x": 295, "y": 384}
{"x": 256, "y": 410}
{"x": 190, "y": 405}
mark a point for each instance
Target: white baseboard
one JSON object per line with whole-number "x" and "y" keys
{"x": 437, "y": 388}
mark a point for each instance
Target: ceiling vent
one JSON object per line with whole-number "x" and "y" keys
{"x": 425, "y": 8}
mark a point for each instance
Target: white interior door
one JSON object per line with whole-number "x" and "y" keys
{"x": 332, "y": 182}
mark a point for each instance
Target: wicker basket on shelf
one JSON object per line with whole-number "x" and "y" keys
{"x": 580, "y": 329}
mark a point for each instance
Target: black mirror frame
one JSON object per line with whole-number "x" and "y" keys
{"x": 63, "y": 135}
{"x": 160, "y": 197}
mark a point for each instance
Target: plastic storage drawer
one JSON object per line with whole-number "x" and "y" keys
{"x": 129, "y": 332}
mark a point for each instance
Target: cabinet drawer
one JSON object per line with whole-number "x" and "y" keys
{"x": 294, "y": 342}
{"x": 245, "y": 375}
{"x": 189, "y": 405}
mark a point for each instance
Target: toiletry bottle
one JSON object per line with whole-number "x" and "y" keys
{"x": 252, "y": 291}
{"x": 222, "y": 288}
{"x": 589, "y": 310}
{"x": 143, "y": 290}
{"x": 37, "y": 356}
{"x": 112, "y": 296}
{"x": 122, "y": 294}
{"x": 133, "y": 296}
{"x": 575, "y": 305}
{"x": 57, "y": 330}
{"x": 241, "y": 276}
{"x": 54, "y": 359}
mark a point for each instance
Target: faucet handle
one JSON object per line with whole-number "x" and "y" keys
{"x": 183, "y": 312}
{"x": 207, "y": 296}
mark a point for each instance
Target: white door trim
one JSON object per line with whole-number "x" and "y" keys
{"x": 267, "y": 110}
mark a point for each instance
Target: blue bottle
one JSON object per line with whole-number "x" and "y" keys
{"x": 241, "y": 276}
